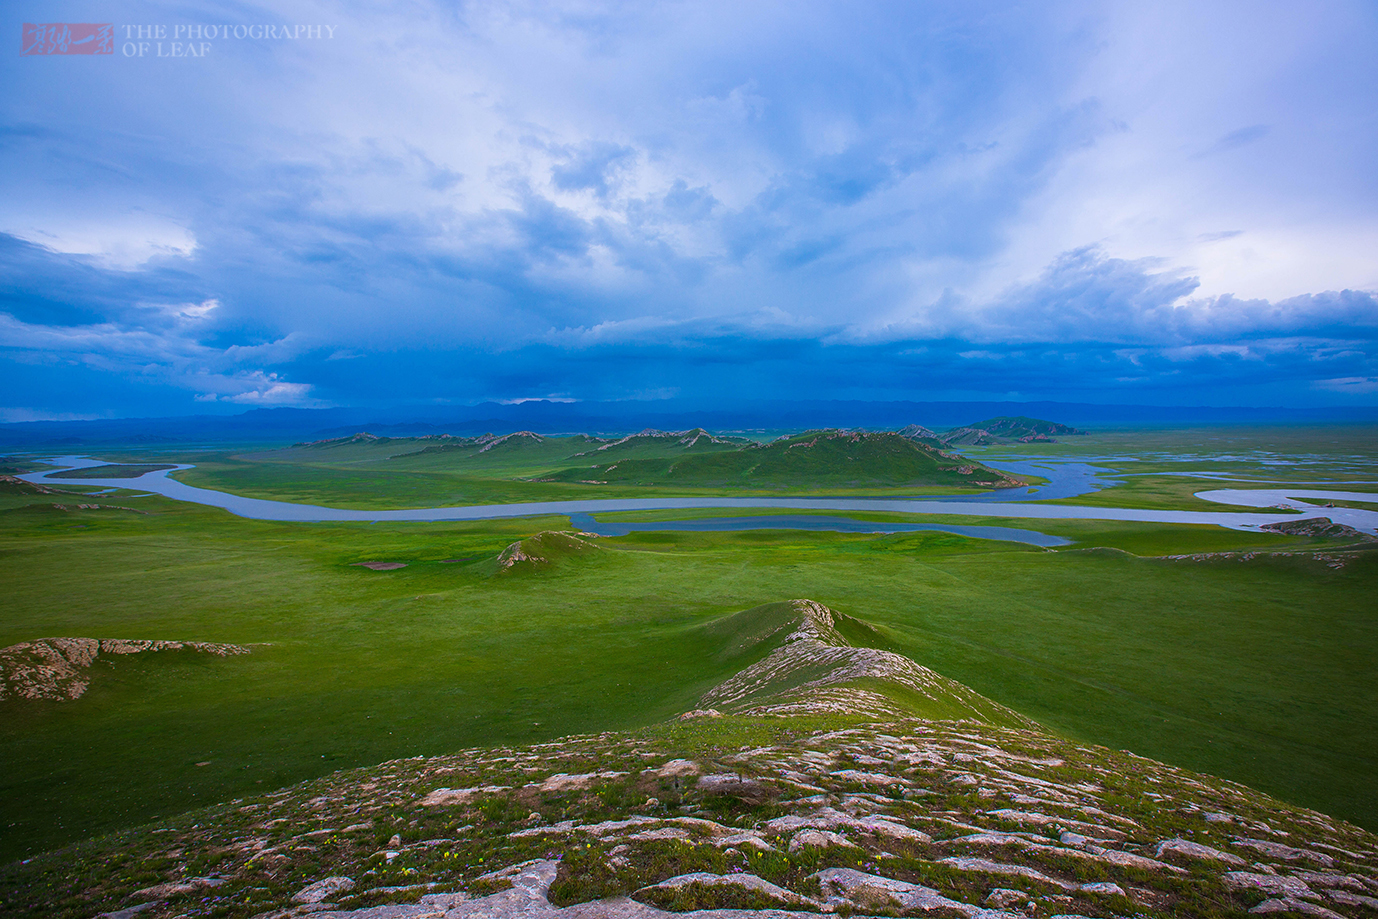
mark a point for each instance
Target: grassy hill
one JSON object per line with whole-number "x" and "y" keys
{"x": 818, "y": 458}
{"x": 1006, "y": 429}
{"x": 653, "y": 444}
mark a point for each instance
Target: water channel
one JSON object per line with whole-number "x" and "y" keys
{"x": 1065, "y": 479}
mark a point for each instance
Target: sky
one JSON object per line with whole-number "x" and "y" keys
{"x": 321, "y": 204}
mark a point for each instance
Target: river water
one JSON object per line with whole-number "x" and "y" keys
{"x": 1065, "y": 480}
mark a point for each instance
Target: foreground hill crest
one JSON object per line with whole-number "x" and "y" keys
{"x": 779, "y": 801}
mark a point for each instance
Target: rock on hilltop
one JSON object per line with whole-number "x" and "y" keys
{"x": 814, "y": 789}
{"x": 1322, "y": 527}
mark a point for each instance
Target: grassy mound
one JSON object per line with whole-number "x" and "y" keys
{"x": 542, "y": 550}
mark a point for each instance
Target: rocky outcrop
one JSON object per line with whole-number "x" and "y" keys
{"x": 1316, "y": 526}
{"x": 902, "y": 816}
{"x": 56, "y": 668}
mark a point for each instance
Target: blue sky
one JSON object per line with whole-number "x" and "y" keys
{"x": 1168, "y": 203}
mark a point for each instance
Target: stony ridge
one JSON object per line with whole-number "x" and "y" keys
{"x": 15, "y": 485}
{"x": 55, "y": 668}
{"x": 816, "y": 671}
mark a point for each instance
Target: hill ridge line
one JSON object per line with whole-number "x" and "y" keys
{"x": 826, "y": 669}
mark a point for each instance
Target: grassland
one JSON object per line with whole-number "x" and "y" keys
{"x": 109, "y": 471}
{"x": 1257, "y": 669}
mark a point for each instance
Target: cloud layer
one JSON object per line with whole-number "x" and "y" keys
{"x": 598, "y": 200}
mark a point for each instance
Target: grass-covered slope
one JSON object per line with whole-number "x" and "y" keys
{"x": 812, "y": 459}
{"x": 110, "y": 471}
{"x": 1007, "y": 429}
{"x": 653, "y": 444}
{"x": 799, "y": 803}
{"x": 695, "y": 459}
{"x": 519, "y": 450}
{"x": 10, "y": 485}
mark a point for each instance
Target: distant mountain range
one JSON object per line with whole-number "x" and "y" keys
{"x": 286, "y": 425}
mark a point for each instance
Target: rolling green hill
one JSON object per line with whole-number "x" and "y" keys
{"x": 1006, "y": 429}
{"x": 653, "y": 444}
{"x": 814, "y": 458}
{"x": 694, "y": 459}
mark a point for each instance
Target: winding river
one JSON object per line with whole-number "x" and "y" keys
{"x": 1066, "y": 479}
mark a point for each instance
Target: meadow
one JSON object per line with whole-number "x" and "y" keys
{"x": 1253, "y": 668}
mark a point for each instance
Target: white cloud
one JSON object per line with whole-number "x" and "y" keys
{"x": 168, "y": 357}
{"x": 124, "y": 244}
{"x": 1235, "y": 117}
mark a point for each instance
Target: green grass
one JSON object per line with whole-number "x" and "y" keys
{"x": 1258, "y": 670}
{"x": 109, "y": 471}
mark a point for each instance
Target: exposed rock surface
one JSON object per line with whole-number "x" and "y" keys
{"x": 1196, "y": 850}
{"x": 56, "y": 668}
{"x": 323, "y": 890}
